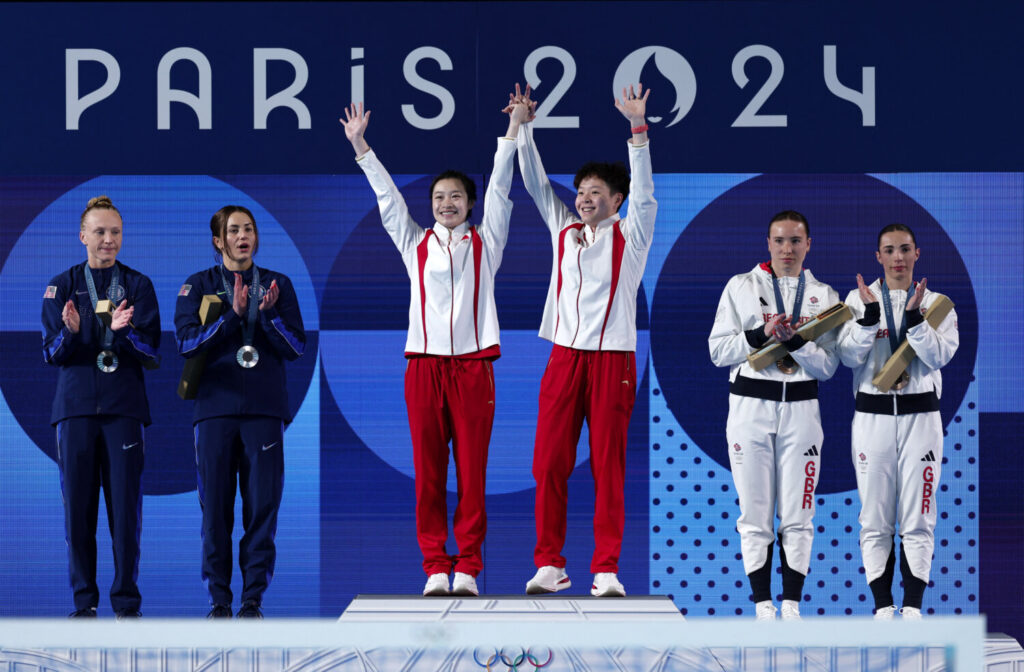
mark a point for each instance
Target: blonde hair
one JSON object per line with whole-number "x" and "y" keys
{"x": 98, "y": 203}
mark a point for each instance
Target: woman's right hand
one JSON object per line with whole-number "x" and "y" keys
{"x": 355, "y": 123}
{"x": 71, "y": 318}
{"x": 240, "y": 298}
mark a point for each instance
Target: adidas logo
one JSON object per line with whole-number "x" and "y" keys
{"x": 930, "y": 457}
{"x": 813, "y": 452}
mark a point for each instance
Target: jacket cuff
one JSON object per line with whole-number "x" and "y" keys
{"x": 794, "y": 343}
{"x": 914, "y": 318}
{"x": 872, "y": 314}
{"x": 756, "y": 337}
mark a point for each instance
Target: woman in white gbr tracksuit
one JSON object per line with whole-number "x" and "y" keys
{"x": 897, "y": 435}
{"x": 774, "y": 426}
{"x": 453, "y": 338}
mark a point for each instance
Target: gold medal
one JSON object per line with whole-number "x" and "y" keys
{"x": 902, "y": 381}
{"x": 787, "y": 365}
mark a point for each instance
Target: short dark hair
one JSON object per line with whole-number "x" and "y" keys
{"x": 219, "y": 224}
{"x": 791, "y": 215}
{"x": 467, "y": 184}
{"x": 895, "y": 227}
{"x": 614, "y": 175}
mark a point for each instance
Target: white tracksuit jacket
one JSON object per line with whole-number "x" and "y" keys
{"x": 898, "y": 458}
{"x": 591, "y": 302}
{"x": 451, "y": 273}
{"x": 774, "y": 446}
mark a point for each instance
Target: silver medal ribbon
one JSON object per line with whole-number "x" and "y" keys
{"x": 247, "y": 356}
{"x": 106, "y": 361}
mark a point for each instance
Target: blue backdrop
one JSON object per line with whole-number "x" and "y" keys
{"x": 237, "y": 103}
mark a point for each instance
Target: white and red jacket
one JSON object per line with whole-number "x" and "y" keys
{"x": 451, "y": 272}
{"x": 591, "y": 302}
{"x": 867, "y": 349}
{"x": 748, "y": 302}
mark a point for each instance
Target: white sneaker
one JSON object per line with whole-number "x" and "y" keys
{"x": 548, "y": 579}
{"x": 885, "y": 613}
{"x": 764, "y": 611}
{"x": 606, "y": 584}
{"x": 464, "y": 584}
{"x": 790, "y": 610}
{"x": 437, "y": 584}
{"x": 910, "y": 613}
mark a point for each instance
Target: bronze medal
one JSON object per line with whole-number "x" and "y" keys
{"x": 787, "y": 365}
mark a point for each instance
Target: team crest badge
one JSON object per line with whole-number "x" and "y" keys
{"x": 185, "y": 289}
{"x": 51, "y": 292}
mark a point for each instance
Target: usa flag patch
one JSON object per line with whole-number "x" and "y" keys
{"x": 51, "y": 292}
{"x": 185, "y": 289}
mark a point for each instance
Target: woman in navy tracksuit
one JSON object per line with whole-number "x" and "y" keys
{"x": 100, "y": 406}
{"x": 241, "y": 405}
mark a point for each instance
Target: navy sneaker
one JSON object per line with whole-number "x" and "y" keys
{"x": 127, "y": 614}
{"x": 250, "y": 609}
{"x": 220, "y": 611}
{"x": 89, "y": 612}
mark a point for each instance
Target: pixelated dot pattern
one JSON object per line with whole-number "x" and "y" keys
{"x": 695, "y": 550}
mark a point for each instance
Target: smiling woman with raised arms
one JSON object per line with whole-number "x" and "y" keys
{"x": 590, "y": 317}
{"x": 453, "y": 338}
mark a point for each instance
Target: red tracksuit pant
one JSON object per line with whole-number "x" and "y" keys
{"x": 450, "y": 399}
{"x": 601, "y": 387}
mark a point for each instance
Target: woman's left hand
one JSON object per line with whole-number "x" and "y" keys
{"x": 270, "y": 298}
{"x": 122, "y": 316}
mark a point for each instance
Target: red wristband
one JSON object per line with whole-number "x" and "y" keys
{"x": 639, "y": 129}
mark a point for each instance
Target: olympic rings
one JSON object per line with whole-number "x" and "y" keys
{"x": 512, "y": 664}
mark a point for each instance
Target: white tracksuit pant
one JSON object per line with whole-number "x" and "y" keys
{"x": 898, "y": 459}
{"x": 775, "y": 452}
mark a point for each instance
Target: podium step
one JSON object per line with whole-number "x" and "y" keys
{"x": 510, "y": 608}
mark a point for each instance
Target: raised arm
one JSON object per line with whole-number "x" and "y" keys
{"x": 355, "y": 123}
{"x": 493, "y": 227}
{"x": 643, "y": 209}
{"x": 394, "y": 213}
{"x": 554, "y": 212}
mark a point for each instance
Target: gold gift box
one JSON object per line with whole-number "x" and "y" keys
{"x": 900, "y": 360}
{"x": 188, "y": 387}
{"x": 772, "y": 352}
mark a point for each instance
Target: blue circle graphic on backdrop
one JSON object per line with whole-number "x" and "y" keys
{"x": 729, "y": 236}
{"x": 166, "y": 236}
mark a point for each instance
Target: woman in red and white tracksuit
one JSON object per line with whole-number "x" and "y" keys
{"x": 590, "y": 316}
{"x": 453, "y": 338}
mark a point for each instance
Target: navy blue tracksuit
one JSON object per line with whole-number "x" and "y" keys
{"x": 99, "y": 418}
{"x": 239, "y": 421}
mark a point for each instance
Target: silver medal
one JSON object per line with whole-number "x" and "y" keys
{"x": 247, "y": 356}
{"x": 106, "y": 361}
